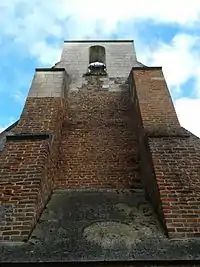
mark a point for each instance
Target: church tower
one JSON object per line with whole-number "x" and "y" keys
{"x": 98, "y": 166}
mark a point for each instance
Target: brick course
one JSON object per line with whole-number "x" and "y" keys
{"x": 169, "y": 156}
{"x": 176, "y": 163}
{"x": 146, "y": 167}
{"x": 21, "y": 176}
{"x": 156, "y": 107}
{"x": 99, "y": 148}
{"x": 28, "y": 167}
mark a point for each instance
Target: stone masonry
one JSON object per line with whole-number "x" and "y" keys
{"x": 113, "y": 131}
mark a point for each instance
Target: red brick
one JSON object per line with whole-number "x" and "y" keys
{"x": 170, "y": 154}
{"x": 22, "y": 164}
{"x": 105, "y": 140}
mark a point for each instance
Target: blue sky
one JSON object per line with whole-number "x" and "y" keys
{"x": 166, "y": 33}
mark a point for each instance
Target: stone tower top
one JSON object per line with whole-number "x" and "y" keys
{"x": 120, "y": 57}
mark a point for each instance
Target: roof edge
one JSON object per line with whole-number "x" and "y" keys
{"x": 99, "y": 41}
{"x": 10, "y": 127}
{"x": 147, "y": 68}
{"x": 49, "y": 69}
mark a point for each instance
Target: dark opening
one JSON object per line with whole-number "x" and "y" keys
{"x": 97, "y": 54}
{"x": 97, "y": 60}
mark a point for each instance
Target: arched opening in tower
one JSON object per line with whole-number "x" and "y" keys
{"x": 97, "y": 60}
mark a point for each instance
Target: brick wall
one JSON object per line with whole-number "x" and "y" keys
{"x": 156, "y": 107}
{"x": 146, "y": 167}
{"x": 169, "y": 156}
{"x": 177, "y": 168}
{"x": 21, "y": 165}
{"x": 99, "y": 148}
{"x": 28, "y": 165}
{"x": 102, "y": 136}
{"x": 40, "y": 115}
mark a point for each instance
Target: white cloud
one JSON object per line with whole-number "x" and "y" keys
{"x": 197, "y": 81}
{"x": 30, "y": 23}
{"x": 179, "y": 59}
{"x": 113, "y": 11}
{"x": 188, "y": 111}
{"x": 52, "y": 53}
{"x": 161, "y": 10}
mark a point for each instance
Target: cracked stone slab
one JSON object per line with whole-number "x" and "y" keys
{"x": 99, "y": 225}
